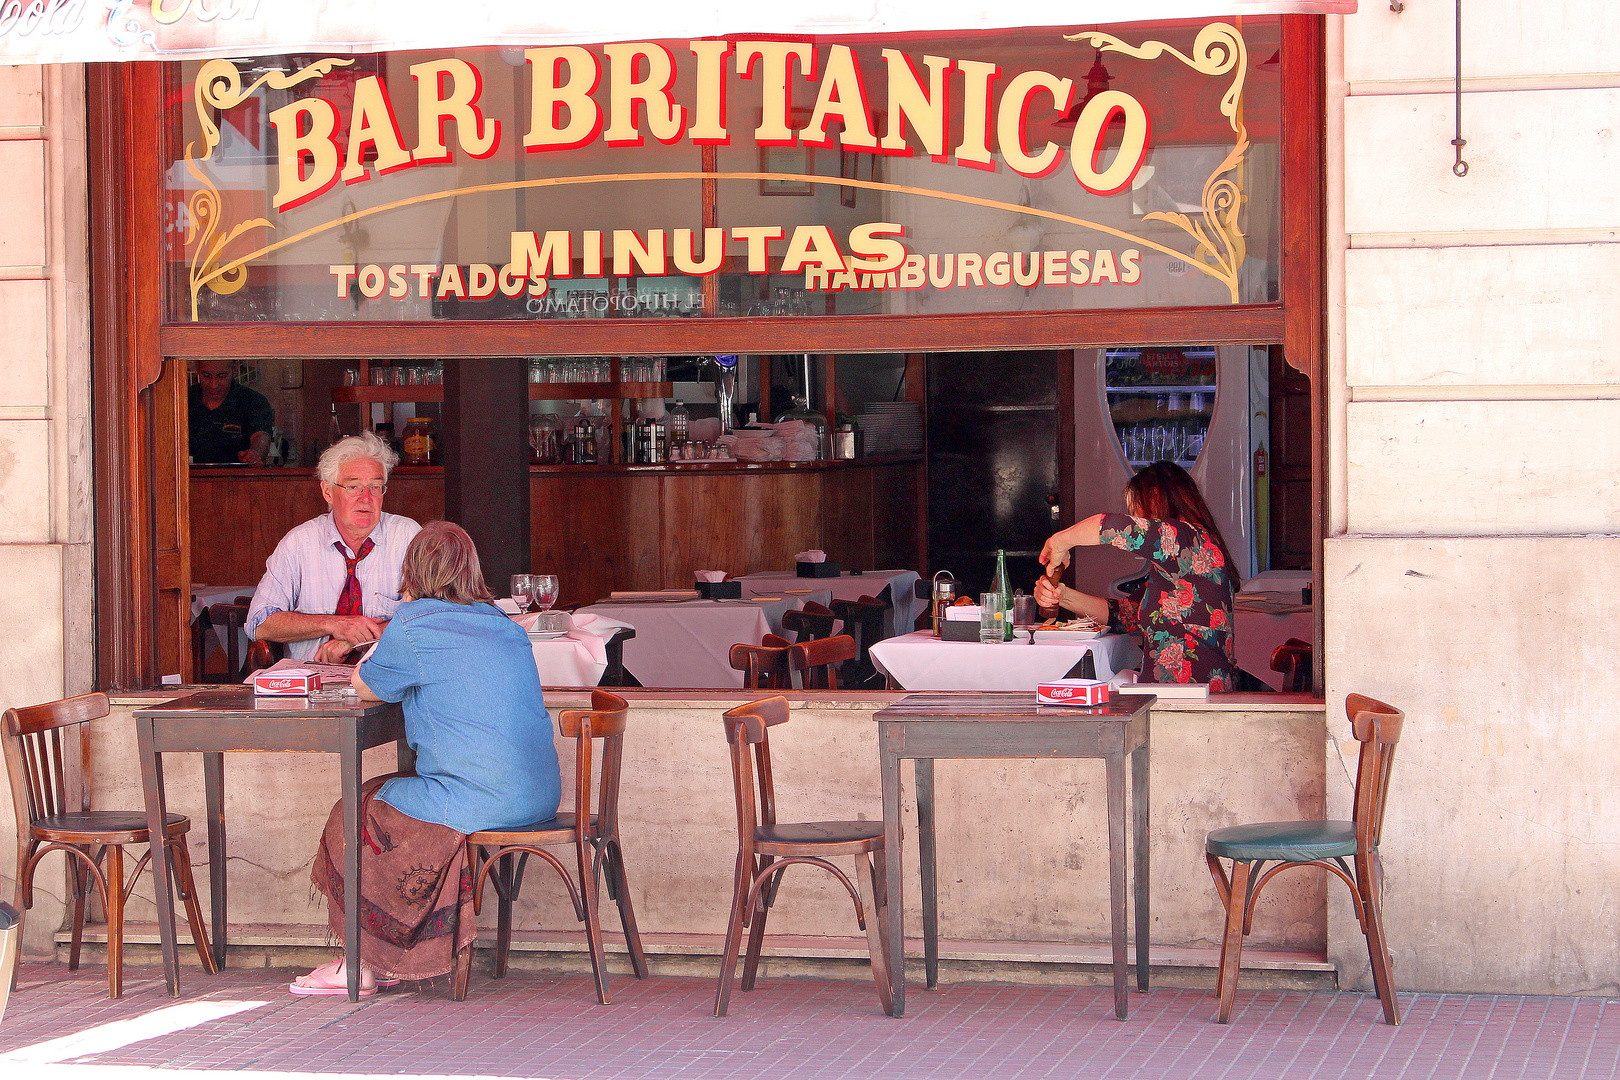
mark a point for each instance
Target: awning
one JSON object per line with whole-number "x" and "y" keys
{"x": 89, "y": 31}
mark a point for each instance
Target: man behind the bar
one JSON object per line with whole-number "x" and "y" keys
{"x": 229, "y": 422}
{"x": 333, "y": 582}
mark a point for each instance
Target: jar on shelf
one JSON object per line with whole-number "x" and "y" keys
{"x": 418, "y": 442}
{"x": 545, "y": 440}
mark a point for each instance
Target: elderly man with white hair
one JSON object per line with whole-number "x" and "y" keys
{"x": 333, "y": 582}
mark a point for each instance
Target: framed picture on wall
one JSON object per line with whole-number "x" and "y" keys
{"x": 798, "y": 160}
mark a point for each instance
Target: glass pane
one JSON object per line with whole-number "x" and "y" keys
{"x": 912, "y": 174}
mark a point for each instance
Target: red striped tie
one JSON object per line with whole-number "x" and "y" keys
{"x": 349, "y": 601}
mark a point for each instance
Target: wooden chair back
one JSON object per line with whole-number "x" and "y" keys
{"x": 863, "y": 620}
{"x": 764, "y": 666}
{"x": 604, "y": 720}
{"x": 1377, "y": 727}
{"x": 754, "y": 786}
{"x": 37, "y": 757}
{"x": 819, "y": 660}
{"x": 231, "y": 618}
{"x": 811, "y": 623}
{"x": 616, "y": 674}
{"x": 1292, "y": 659}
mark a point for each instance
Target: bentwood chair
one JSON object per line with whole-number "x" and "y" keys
{"x": 809, "y": 623}
{"x": 37, "y": 760}
{"x": 764, "y": 666}
{"x": 1324, "y": 844}
{"x": 819, "y": 660}
{"x": 501, "y": 855}
{"x": 863, "y": 620}
{"x": 1292, "y": 659}
{"x": 766, "y": 847}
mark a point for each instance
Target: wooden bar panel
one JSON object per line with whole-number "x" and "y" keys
{"x": 606, "y": 527}
{"x": 239, "y": 515}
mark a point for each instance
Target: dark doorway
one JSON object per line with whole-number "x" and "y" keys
{"x": 1290, "y": 466}
{"x": 997, "y": 423}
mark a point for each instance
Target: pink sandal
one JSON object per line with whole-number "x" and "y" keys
{"x": 322, "y": 983}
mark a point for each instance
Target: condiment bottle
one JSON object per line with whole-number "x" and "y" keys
{"x": 418, "y": 441}
{"x": 944, "y": 597}
{"x": 679, "y": 424}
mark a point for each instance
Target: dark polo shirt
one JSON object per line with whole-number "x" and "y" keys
{"x": 221, "y": 434}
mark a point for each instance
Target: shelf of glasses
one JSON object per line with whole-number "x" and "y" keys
{"x": 1149, "y": 388}
{"x": 348, "y": 395}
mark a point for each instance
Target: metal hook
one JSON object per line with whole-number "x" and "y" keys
{"x": 1460, "y": 167}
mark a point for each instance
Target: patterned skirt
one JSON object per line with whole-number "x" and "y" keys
{"x": 415, "y": 889}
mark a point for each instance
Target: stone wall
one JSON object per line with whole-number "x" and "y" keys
{"x": 1023, "y": 846}
{"x": 1475, "y": 400}
{"x": 46, "y": 559}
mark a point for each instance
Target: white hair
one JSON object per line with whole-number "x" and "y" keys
{"x": 363, "y": 445}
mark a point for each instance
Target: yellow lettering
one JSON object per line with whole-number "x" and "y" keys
{"x": 1014, "y": 112}
{"x": 371, "y": 122}
{"x": 925, "y": 110}
{"x": 774, "y": 57}
{"x": 1087, "y": 145}
{"x": 437, "y": 103}
{"x": 294, "y": 185}
{"x": 548, "y": 98}
{"x": 709, "y": 113}
{"x": 625, "y": 91}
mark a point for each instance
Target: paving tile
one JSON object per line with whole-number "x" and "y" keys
{"x": 808, "y": 1029}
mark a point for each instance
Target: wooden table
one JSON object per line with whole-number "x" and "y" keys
{"x": 1011, "y": 725}
{"x": 213, "y": 722}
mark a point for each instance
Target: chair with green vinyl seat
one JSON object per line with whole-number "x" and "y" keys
{"x": 1324, "y": 844}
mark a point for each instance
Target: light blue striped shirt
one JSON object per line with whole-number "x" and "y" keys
{"x": 305, "y": 574}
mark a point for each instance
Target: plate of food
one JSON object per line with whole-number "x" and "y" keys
{"x": 1055, "y": 630}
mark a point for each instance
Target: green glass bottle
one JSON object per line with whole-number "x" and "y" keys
{"x": 1003, "y": 588}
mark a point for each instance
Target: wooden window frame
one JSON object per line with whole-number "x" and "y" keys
{"x": 142, "y": 512}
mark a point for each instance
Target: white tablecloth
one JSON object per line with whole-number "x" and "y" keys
{"x": 689, "y": 643}
{"x": 921, "y": 661}
{"x": 1267, "y": 612}
{"x": 580, "y": 658}
{"x": 901, "y": 617}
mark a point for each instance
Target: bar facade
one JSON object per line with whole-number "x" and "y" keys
{"x": 1448, "y": 569}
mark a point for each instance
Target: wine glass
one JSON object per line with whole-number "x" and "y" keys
{"x": 523, "y": 591}
{"x": 543, "y": 589}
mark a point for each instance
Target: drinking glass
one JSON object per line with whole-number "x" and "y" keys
{"x": 523, "y": 591}
{"x": 543, "y": 589}
{"x": 992, "y": 619}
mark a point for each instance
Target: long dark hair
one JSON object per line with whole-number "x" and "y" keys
{"x": 1164, "y": 491}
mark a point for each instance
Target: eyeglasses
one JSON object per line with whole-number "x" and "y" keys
{"x": 376, "y": 488}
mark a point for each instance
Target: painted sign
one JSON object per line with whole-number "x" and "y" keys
{"x": 958, "y": 112}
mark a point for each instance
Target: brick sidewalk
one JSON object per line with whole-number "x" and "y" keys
{"x": 811, "y": 1029}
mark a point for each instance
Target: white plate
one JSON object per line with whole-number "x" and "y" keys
{"x": 1056, "y": 636}
{"x": 547, "y": 635}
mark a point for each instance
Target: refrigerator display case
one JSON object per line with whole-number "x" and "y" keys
{"x": 1161, "y": 402}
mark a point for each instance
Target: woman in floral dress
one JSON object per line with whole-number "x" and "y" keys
{"x": 1185, "y": 613}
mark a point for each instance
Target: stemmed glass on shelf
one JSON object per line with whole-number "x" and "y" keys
{"x": 523, "y": 589}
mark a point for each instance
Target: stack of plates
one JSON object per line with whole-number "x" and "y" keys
{"x": 892, "y": 427}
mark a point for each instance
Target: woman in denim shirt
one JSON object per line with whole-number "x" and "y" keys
{"x": 485, "y": 759}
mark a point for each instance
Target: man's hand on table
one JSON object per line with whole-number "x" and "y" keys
{"x": 355, "y": 629}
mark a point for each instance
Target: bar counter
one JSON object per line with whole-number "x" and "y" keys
{"x": 1022, "y": 844}
{"x": 607, "y": 527}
